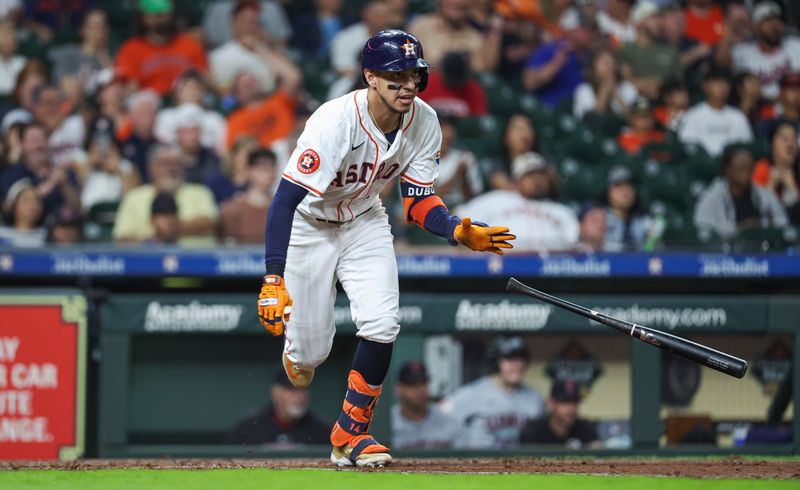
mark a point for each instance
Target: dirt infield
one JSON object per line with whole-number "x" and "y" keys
{"x": 734, "y": 467}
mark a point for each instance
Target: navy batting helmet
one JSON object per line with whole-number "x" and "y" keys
{"x": 394, "y": 50}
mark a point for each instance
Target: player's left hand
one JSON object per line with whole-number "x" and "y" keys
{"x": 483, "y": 238}
{"x": 274, "y": 304}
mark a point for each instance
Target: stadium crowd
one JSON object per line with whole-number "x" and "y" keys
{"x": 581, "y": 124}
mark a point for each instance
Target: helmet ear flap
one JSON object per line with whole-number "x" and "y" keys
{"x": 423, "y": 79}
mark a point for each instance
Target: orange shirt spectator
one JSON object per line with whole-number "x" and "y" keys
{"x": 269, "y": 120}
{"x": 641, "y": 128}
{"x": 157, "y": 67}
{"x": 633, "y": 142}
{"x": 761, "y": 172}
{"x": 706, "y": 27}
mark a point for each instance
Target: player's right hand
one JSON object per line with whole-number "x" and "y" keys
{"x": 483, "y": 238}
{"x": 274, "y": 304}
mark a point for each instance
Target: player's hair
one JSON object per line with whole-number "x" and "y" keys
{"x": 260, "y": 153}
{"x": 730, "y": 152}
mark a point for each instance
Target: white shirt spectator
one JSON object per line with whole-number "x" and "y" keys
{"x": 67, "y": 139}
{"x": 770, "y": 67}
{"x": 346, "y": 49}
{"x": 539, "y": 225}
{"x": 584, "y": 98}
{"x": 624, "y": 33}
{"x": 435, "y": 431}
{"x": 217, "y": 21}
{"x": 714, "y": 129}
{"x": 9, "y": 69}
{"x": 212, "y": 125}
{"x": 231, "y": 58}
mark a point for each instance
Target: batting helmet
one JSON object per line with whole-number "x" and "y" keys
{"x": 394, "y": 50}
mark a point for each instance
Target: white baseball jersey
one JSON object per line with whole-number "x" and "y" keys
{"x": 769, "y": 67}
{"x": 344, "y": 159}
{"x": 489, "y": 416}
{"x": 435, "y": 431}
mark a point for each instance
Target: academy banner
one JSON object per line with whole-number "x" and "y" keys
{"x": 449, "y": 313}
{"x": 42, "y": 376}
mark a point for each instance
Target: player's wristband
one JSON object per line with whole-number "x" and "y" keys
{"x": 276, "y": 268}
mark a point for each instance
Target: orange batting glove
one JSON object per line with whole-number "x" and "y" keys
{"x": 274, "y": 304}
{"x": 483, "y": 238}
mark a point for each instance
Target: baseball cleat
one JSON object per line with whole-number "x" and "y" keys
{"x": 342, "y": 456}
{"x": 299, "y": 377}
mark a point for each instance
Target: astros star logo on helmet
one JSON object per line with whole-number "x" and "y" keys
{"x": 410, "y": 48}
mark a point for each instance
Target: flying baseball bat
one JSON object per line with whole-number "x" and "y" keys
{"x": 722, "y": 362}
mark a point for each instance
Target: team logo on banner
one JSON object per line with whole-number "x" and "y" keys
{"x": 308, "y": 162}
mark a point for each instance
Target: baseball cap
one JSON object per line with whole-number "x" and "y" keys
{"x": 565, "y": 390}
{"x": 644, "y": 10}
{"x": 280, "y": 378}
{"x": 619, "y": 174}
{"x": 508, "y": 347}
{"x": 412, "y": 372}
{"x": 790, "y": 80}
{"x": 527, "y": 163}
{"x": 15, "y": 116}
{"x": 640, "y": 105}
{"x": 164, "y": 203}
{"x": 155, "y": 6}
{"x": 766, "y": 10}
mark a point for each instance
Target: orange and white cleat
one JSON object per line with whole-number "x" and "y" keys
{"x": 299, "y": 377}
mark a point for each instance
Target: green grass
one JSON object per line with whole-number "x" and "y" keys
{"x": 263, "y": 479}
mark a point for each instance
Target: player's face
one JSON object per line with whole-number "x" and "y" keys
{"x": 512, "y": 370}
{"x": 621, "y": 196}
{"x": 415, "y": 395}
{"x": 398, "y": 100}
{"x": 566, "y": 413}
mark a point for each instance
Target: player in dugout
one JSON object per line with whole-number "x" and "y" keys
{"x": 327, "y": 223}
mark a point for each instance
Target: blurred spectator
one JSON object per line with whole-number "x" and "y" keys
{"x": 519, "y": 137}
{"x": 772, "y": 54}
{"x": 562, "y": 425}
{"x": 735, "y": 31}
{"x": 65, "y": 226}
{"x": 713, "y": 124}
{"x": 199, "y": 161}
{"x": 491, "y": 410}
{"x": 747, "y": 95}
{"x": 780, "y": 171}
{"x": 540, "y": 223}
{"x": 250, "y": 50}
{"x": 269, "y": 117}
{"x": 627, "y": 227}
{"x": 165, "y": 219}
{"x": 692, "y": 51}
{"x": 23, "y": 212}
{"x": 190, "y": 90}
{"x": 77, "y": 66}
{"x": 459, "y": 174}
{"x": 788, "y": 106}
{"x": 12, "y": 145}
{"x": 448, "y": 30}
{"x": 196, "y": 207}
{"x": 704, "y": 21}
{"x": 731, "y": 203}
{"x": 53, "y": 184}
{"x": 591, "y": 237}
{"x": 555, "y": 70}
{"x": 158, "y": 54}
{"x": 416, "y": 424}
{"x": 346, "y": 46}
{"x": 673, "y": 101}
{"x": 11, "y": 63}
{"x": 104, "y": 175}
{"x": 20, "y": 107}
{"x": 286, "y": 420}
{"x": 137, "y": 136}
{"x": 232, "y": 177}
{"x": 615, "y": 21}
{"x": 648, "y": 61}
{"x": 46, "y": 18}
{"x": 217, "y": 28}
{"x": 244, "y": 217}
{"x": 110, "y": 98}
{"x": 451, "y": 91}
{"x": 312, "y": 32}
{"x": 604, "y": 91}
{"x": 519, "y": 40}
{"x": 641, "y": 129}
{"x": 67, "y": 132}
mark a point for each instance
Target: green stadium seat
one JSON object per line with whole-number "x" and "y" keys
{"x": 100, "y": 222}
{"x": 667, "y": 183}
{"x": 765, "y": 239}
{"x": 586, "y": 145}
{"x": 581, "y": 181}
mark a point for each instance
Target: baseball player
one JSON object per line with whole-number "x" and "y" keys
{"x": 327, "y": 223}
{"x": 492, "y": 410}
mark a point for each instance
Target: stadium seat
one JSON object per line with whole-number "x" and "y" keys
{"x": 100, "y": 221}
{"x": 581, "y": 181}
{"x": 765, "y": 239}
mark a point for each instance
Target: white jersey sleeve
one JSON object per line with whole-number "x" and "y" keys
{"x": 320, "y": 150}
{"x": 423, "y": 169}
